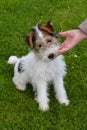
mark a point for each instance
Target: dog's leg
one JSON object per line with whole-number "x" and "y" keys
{"x": 35, "y": 92}
{"x": 60, "y": 91}
{"x": 19, "y": 85}
{"x": 42, "y": 96}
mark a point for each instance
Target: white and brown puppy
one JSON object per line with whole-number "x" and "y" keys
{"x": 41, "y": 66}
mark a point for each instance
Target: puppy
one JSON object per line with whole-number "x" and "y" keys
{"x": 41, "y": 66}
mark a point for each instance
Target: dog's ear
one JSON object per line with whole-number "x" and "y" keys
{"x": 47, "y": 27}
{"x": 50, "y": 25}
{"x": 30, "y": 38}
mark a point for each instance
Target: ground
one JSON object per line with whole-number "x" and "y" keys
{"x": 18, "y": 110}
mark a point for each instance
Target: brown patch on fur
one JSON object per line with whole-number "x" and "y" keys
{"x": 49, "y": 40}
{"x": 38, "y": 45}
{"x": 30, "y": 38}
{"x": 50, "y": 25}
{"x": 47, "y": 28}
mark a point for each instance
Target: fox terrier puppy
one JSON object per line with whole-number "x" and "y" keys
{"x": 41, "y": 66}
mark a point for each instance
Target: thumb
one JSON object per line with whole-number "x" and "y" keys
{"x": 63, "y": 34}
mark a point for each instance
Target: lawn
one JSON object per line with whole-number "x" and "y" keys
{"x": 18, "y": 110}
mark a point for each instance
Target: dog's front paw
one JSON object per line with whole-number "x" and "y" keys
{"x": 64, "y": 101}
{"x": 43, "y": 106}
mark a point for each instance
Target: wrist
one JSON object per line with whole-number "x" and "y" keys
{"x": 83, "y": 35}
{"x": 83, "y": 26}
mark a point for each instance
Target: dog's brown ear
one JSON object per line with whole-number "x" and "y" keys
{"x": 30, "y": 38}
{"x": 47, "y": 27}
{"x": 50, "y": 25}
{"x": 27, "y": 39}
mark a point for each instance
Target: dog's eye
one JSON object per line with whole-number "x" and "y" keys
{"x": 49, "y": 40}
{"x": 40, "y": 45}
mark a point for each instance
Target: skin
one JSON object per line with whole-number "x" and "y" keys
{"x": 73, "y": 37}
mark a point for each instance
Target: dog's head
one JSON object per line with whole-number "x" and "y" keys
{"x": 43, "y": 40}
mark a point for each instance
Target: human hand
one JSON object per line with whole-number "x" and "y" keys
{"x": 73, "y": 37}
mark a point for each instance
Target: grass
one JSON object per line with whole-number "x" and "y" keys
{"x": 18, "y": 110}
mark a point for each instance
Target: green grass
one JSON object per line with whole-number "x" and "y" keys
{"x": 18, "y": 110}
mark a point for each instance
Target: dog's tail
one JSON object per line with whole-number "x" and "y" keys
{"x": 12, "y": 60}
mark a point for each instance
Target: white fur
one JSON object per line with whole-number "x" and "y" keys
{"x": 12, "y": 60}
{"x": 40, "y": 73}
{"x": 39, "y": 70}
{"x": 39, "y": 32}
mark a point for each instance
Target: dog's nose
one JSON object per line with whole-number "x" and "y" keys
{"x": 51, "y": 56}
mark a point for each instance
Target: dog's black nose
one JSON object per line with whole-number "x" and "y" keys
{"x": 51, "y": 56}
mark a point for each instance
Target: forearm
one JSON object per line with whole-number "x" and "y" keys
{"x": 83, "y": 26}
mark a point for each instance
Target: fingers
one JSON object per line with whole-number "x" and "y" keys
{"x": 62, "y": 45}
{"x": 62, "y": 51}
{"x": 63, "y": 34}
{"x": 65, "y": 47}
{"x": 62, "y": 48}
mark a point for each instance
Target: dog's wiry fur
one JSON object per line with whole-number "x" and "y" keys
{"x": 41, "y": 66}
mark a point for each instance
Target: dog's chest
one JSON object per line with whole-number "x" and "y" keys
{"x": 41, "y": 71}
